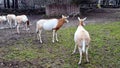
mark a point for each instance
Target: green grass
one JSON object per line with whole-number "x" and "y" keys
{"x": 104, "y": 49}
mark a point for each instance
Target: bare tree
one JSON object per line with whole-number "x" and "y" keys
{"x": 8, "y": 3}
{"x": 5, "y": 5}
{"x": 99, "y": 4}
{"x": 106, "y": 2}
{"x": 16, "y": 4}
{"x": 13, "y": 4}
{"x": 118, "y": 2}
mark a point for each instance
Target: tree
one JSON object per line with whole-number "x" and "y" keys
{"x": 16, "y": 4}
{"x": 5, "y": 5}
{"x": 77, "y": 2}
{"x": 13, "y": 4}
{"x": 99, "y": 4}
{"x": 8, "y": 3}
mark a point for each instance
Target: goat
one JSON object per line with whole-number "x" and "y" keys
{"x": 11, "y": 18}
{"x": 50, "y": 24}
{"x": 82, "y": 39}
{"x": 2, "y": 19}
{"x": 22, "y": 19}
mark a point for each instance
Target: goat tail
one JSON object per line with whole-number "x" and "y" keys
{"x": 83, "y": 46}
{"x": 37, "y": 31}
{"x": 28, "y": 23}
{"x": 16, "y": 23}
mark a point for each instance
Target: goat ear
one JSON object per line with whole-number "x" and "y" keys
{"x": 67, "y": 16}
{"x": 79, "y": 18}
{"x": 63, "y": 16}
{"x": 84, "y": 18}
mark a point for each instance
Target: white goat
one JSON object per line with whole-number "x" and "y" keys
{"x": 2, "y": 19}
{"x": 22, "y": 19}
{"x": 11, "y": 18}
{"x": 82, "y": 39}
{"x": 50, "y": 24}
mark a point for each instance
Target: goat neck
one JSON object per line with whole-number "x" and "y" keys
{"x": 60, "y": 23}
{"x": 81, "y": 23}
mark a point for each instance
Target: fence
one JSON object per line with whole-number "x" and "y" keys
{"x": 40, "y": 5}
{"x": 59, "y": 9}
{"x": 36, "y": 4}
{"x": 28, "y": 4}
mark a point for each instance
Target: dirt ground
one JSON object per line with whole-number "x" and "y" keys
{"x": 9, "y": 36}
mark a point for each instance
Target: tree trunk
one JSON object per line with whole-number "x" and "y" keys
{"x": 107, "y": 2}
{"x": 118, "y": 2}
{"x": 16, "y": 4}
{"x": 13, "y": 3}
{"x": 8, "y": 4}
{"x": 99, "y": 4}
{"x": 5, "y": 4}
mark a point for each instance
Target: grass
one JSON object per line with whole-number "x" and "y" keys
{"x": 104, "y": 49}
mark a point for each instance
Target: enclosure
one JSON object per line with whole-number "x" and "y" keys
{"x": 24, "y": 50}
{"x": 43, "y": 6}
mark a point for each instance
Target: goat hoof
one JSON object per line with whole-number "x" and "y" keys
{"x": 52, "y": 41}
{"x": 87, "y": 62}
{"x": 57, "y": 40}
{"x": 73, "y": 53}
{"x": 79, "y": 63}
{"x": 41, "y": 42}
{"x": 18, "y": 33}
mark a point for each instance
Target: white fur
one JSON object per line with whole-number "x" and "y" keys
{"x": 21, "y": 19}
{"x": 83, "y": 48}
{"x": 82, "y": 39}
{"x": 2, "y": 19}
{"x": 48, "y": 24}
{"x": 11, "y": 18}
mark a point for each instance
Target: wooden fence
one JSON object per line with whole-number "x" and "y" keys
{"x": 59, "y": 9}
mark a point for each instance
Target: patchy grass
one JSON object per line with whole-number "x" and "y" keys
{"x": 104, "y": 49}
